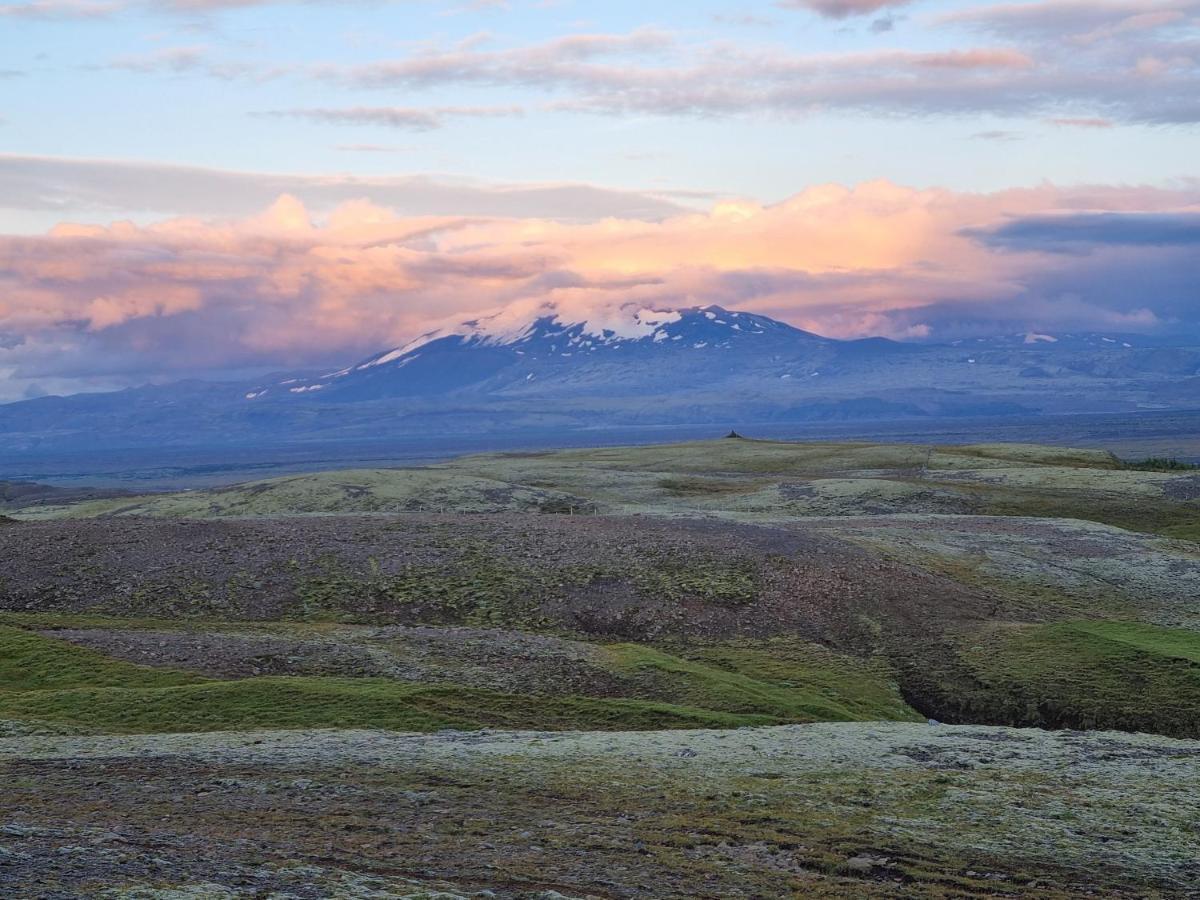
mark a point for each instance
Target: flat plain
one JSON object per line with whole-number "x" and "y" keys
{"x": 711, "y": 669}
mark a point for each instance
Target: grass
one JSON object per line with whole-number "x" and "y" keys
{"x": 1159, "y": 464}
{"x": 31, "y": 662}
{"x": 792, "y": 680}
{"x": 1165, "y": 642}
{"x": 43, "y": 679}
{"x": 295, "y": 702}
{"x": 706, "y": 487}
{"x": 1132, "y": 514}
{"x": 1187, "y": 531}
{"x": 1128, "y": 676}
{"x": 1076, "y": 674}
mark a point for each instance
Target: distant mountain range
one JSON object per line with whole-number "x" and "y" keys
{"x": 643, "y": 367}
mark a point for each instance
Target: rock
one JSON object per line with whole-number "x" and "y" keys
{"x": 865, "y": 865}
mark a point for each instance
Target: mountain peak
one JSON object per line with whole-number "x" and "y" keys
{"x": 523, "y": 345}
{"x": 591, "y": 331}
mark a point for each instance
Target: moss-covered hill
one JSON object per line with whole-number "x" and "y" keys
{"x": 743, "y": 479}
{"x": 970, "y": 584}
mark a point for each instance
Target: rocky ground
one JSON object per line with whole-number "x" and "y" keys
{"x": 846, "y": 810}
{"x": 619, "y": 577}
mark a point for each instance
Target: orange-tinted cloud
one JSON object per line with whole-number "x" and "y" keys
{"x": 284, "y": 289}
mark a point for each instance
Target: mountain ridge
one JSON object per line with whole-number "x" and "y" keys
{"x": 550, "y": 370}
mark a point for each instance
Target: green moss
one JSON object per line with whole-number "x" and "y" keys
{"x": 1087, "y": 674}
{"x": 716, "y": 579}
{"x": 262, "y": 703}
{"x": 31, "y": 662}
{"x": 1187, "y": 531}
{"x": 475, "y": 589}
{"x": 1132, "y": 514}
{"x": 706, "y": 487}
{"x": 790, "y": 680}
{"x": 481, "y": 588}
{"x": 1159, "y": 464}
{"x": 713, "y": 686}
{"x": 1170, "y": 643}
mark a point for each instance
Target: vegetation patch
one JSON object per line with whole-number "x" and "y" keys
{"x": 729, "y": 581}
{"x": 31, "y": 662}
{"x": 1187, "y": 531}
{"x": 721, "y": 686}
{"x": 1159, "y": 464}
{"x": 792, "y": 680}
{"x": 1131, "y": 513}
{"x": 483, "y": 589}
{"x": 1082, "y": 675}
{"x": 263, "y": 703}
{"x": 706, "y": 487}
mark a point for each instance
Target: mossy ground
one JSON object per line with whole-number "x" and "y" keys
{"x": 464, "y": 582}
{"x": 792, "y": 679}
{"x": 829, "y": 810}
{"x": 1077, "y": 674}
{"x": 30, "y": 662}
{"x": 482, "y": 587}
{"x": 730, "y": 478}
{"x": 257, "y": 703}
{"x": 47, "y": 680}
{"x": 948, "y": 613}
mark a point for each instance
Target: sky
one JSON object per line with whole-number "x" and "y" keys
{"x": 211, "y": 188}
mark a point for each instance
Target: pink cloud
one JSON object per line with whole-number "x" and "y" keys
{"x": 1088, "y": 122}
{"x": 287, "y": 288}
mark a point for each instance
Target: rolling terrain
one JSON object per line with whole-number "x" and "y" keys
{"x": 748, "y": 644}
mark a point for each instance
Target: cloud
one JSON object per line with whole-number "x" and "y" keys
{"x": 1092, "y": 122}
{"x": 997, "y": 135}
{"x": 61, "y": 9}
{"x": 107, "y": 187}
{"x": 1123, "y": 69}
{"x": 842, "y": 9}
{"x": 287, "y": 287}
{"x": 1121, "y": 61}
{"x": 1074, "y": 233}
{"x": 1080, "y": 21}
{"x": 560, "y": 60}
{"x": 105, "y": 9}
{"x": 405, "y": 117}
{"x": 193, "y": 60}
{"x": 371, "y": 148}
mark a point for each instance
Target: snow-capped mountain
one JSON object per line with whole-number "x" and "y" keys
{"x": 551, "y": 369}
{"x": 496, "y": 353}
